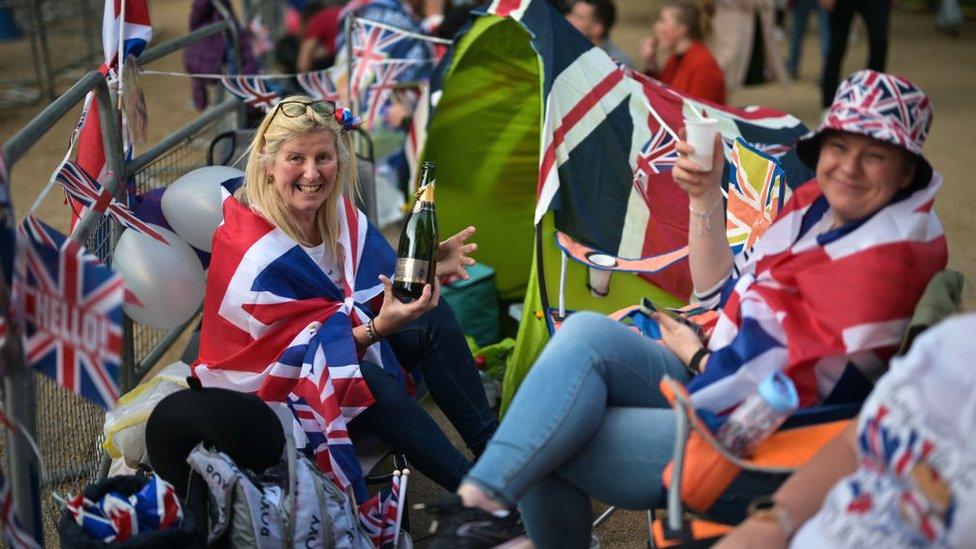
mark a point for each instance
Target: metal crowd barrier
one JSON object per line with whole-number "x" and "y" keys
{"x": 67, "y": 428}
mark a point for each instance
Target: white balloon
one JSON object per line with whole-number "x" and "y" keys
{"x": 167, "y": 280}
{"x": 191, "y": 205}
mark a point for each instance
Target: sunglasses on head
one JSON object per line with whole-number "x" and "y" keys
{"x": 296, "y": 109}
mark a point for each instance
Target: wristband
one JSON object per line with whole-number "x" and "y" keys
{"x": 372, "y": 333}
{"x": 695, "y": 363}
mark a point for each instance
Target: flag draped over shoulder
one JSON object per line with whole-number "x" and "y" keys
{"x": 812, "y": 300}
{"x": 276, "y": 325}
{"x": 608, "y": 146}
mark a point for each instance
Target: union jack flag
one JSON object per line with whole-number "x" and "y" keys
{"x": 253, "y": 91}
{"x": 318, "y": 85}
{"x": 13, "y": 532}
{"x": 72, "y": 309}
{"x": 378, "y": 516}
{"x": 372, "y": 44}
{"x": 275, "y": 324}
{"x": 84, "y": 192}
{"x": 657, "y": 155}
{"x": 380, "y": 94}
{"x": 756, "y": 194}
{"x": 136, "y": 30}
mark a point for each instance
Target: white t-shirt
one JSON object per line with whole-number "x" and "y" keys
{"x": 324, "y": 259}
{"x": 916, "y": 480}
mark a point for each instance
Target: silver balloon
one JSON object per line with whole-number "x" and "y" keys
{"x": 192, "y": 204}
{"x": 168, "y": 280}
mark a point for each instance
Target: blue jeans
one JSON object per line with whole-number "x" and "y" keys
{"x": 589, "y": 420}
{"x": 801, "y": 11}
{"x": 434, "y": 343}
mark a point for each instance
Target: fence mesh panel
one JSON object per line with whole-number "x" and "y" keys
{"x": 69, "y": 428}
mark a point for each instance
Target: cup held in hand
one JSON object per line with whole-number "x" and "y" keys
{"x": 700, "y": 134}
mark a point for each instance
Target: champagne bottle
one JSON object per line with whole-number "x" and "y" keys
{"x": 416, "y": 262}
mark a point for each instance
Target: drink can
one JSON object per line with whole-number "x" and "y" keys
{"x": 759, "y": 415}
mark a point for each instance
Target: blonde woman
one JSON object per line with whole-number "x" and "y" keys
{"x": 299, "y": 309}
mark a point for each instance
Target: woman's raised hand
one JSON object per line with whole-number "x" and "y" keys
{"x": 454, "y": 254}
{"x": 395, "y": 313}
{"x": 692, "y": 178}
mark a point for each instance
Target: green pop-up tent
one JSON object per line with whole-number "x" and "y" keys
{"x": 485, "y": 138}
{"x": 534, "y": 129}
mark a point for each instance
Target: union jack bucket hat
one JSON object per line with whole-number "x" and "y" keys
{"x": 885, "y": 107}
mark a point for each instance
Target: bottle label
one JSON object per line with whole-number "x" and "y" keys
{"x": 411, "y": 270}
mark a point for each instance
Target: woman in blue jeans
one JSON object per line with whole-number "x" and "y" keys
{"x": 823, "y": 296}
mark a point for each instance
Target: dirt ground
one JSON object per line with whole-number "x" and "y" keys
{"x": 944, "y": 66}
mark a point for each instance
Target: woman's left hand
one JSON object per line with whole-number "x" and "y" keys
{"x": 680, "y": 339}
{"x": 453, "y": 255}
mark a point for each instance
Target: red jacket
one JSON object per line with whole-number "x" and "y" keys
{"x": 695, "y": 73}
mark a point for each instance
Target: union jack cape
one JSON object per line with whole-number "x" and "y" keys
{"x": 276, "y": 325}
{"x": 821, "y": 305}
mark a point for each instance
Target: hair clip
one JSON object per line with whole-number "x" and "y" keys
{"x": 346, "y": 118}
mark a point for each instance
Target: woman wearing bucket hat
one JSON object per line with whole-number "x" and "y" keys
{"x": 823, "y": 297}
{"x": 299, "y": 310}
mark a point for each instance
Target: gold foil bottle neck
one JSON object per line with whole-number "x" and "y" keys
{"x": 426, "y": 193}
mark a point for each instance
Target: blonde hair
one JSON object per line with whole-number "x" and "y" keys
{"x": 259, "y": 192}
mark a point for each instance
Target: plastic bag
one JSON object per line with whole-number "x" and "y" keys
{"x": 125, "y": 426}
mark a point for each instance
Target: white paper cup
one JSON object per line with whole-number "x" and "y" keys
{"x": 599, "y": 280}
{"x": 700, "y": 134}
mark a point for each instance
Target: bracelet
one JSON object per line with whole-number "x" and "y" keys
{"x": 695, "y": 363}
{"x": 705, "y": 217}
{"x": 372, "y": 332}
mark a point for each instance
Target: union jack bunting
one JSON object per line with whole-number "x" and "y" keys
{"x": 374, "y": 43}
{"x": 83, "y": 192}
{"x": 607, "y": 147}
{"x": 379, "y": 96}
{"x": 756, "y": 194}
{"x": 378, "y": 516}
{"x": 258, "y": 278}
{"x": 252, "y": 90}
{"x": 13, "y": 532}
{"x": 318, "y": 85}
{"x": 71, "y": 304}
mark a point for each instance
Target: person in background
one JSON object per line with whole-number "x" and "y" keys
{"x": 210, "y": 55}
{"x": 594, "y": 19}
{"x": 744, "y": 43}
{"x": 801, "y": 11}
{"x": 899, "y": 476}
{"x": 876, "y": 15}
{"x": 318, "y": 46}
{"x": 690, "y": 69}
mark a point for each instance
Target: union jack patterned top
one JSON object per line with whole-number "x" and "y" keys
{"x": 827, "y": 306}
{"x": 275, "y": 324}
{"x": 913, "y": 485}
